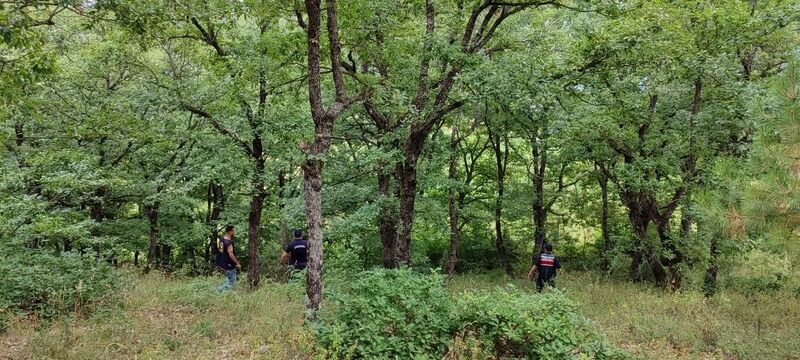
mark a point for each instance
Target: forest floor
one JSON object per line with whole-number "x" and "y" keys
{"x": 174, "y": 318}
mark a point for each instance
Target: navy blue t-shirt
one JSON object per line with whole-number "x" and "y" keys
{"x": 298, "y": 249}
{"x": 223, "y": 260}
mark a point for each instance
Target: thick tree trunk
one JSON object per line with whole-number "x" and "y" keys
{"x": 452, "y": 203}
{"x": 136, "y": 258}
{"x": 313, "y": 196}
{"x": 660, "y": 275}
{"x": 387, "y": 222}
{"x": 637, "y": 253}
{"x": 407, "y": 182}
{"x": 636, "y": 265}
{"x": 658, "y": 267}
{"x": 153, "y": 251}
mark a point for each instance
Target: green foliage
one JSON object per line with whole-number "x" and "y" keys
{"x": 404, "y": 314}
{"x": 760, "y": 272}
{"x": 389, "y": 314}
{"x": 513, "y": 323}
{"x": 49, "y": 285}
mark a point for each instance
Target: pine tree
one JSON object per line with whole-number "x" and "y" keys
{"x": 759, "y": 202}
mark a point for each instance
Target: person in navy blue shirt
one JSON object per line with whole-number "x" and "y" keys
{"x": 226, "y": 260}
{"x": 296, "y": 252}
{"x": 545, "y": 266}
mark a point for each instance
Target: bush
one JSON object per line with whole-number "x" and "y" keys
{"x": 406, "y": 315}
{"x": 388, "y": 314}
{"x": 48, "y": 285}
{"x": 760, "y": 272}
{"x": 511, "y": 323}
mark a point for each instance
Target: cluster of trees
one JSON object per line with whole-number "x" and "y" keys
{"x": 460, "y": 134}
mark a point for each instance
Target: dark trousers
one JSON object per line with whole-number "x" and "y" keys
{"x": 542, "y": 280}
{"x": 296, "y": 271}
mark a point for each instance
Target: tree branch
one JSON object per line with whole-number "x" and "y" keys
{"x": 336, "y": 49}
{"x": 422, "y": 88}
{"x": 209, "y": 37}
{"x": 222, "y": 130}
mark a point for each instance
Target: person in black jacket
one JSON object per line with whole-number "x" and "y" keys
{"x": 544, "y": 267}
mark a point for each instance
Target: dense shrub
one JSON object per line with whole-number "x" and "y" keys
{"x": 406, "y": 315}
{"x": 512, "y": 323}
{"x": 389, "y": 314}
{"x": 760, "y": 272}
{"x": 48, "y": 285}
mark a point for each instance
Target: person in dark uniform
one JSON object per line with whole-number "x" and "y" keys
{"x": 296, "y": 252}
{"x": 544, "y": 267}
{"x": 226, "y": 260}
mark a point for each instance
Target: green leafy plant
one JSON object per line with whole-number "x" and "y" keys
{"x": 48, "y": 285}
{"x": 407, "y": 315}
{"x": 511, "y": 323}
{"x": 389, "y": 314}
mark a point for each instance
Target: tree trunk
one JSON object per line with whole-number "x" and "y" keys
{"x": 152, "y": 217}
{"x": 136, "y": 258}
{"x": 96, "y": 208}
{"x": 407, "y": 182}
{"x": 710, "y": 280}
{"x": 603, "y": 182}
{"x": 387, "y": 222}
{"x": 190, "y": 254}
{"x": 452, "y": 205}
{"x": 216, "y": 204}
{"x": 539, "y": 155}
{"x": 284, "y": 227}
{"x": 254, "y": 228}
{"x": 637, "y": 253}
{"x": 501, "y": 162}
{"x": 313, "y": 194}
{"x": 636, "y": 265}
{"x": 165, "y": 256}
{"x": 324, "y": 120}
{"x": 676, "y": 275}
{"x": 660, "y": 275}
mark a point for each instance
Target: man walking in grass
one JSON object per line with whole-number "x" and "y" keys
{"x": 296, "y": 252}
{"x": 544, "y": 267}
{"x": 226, "y": 260}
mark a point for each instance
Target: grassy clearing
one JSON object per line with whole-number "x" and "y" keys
{"x": 652, "y": 324}
{"x": 164, "y": 318}
{"x": 179, "y": 318}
